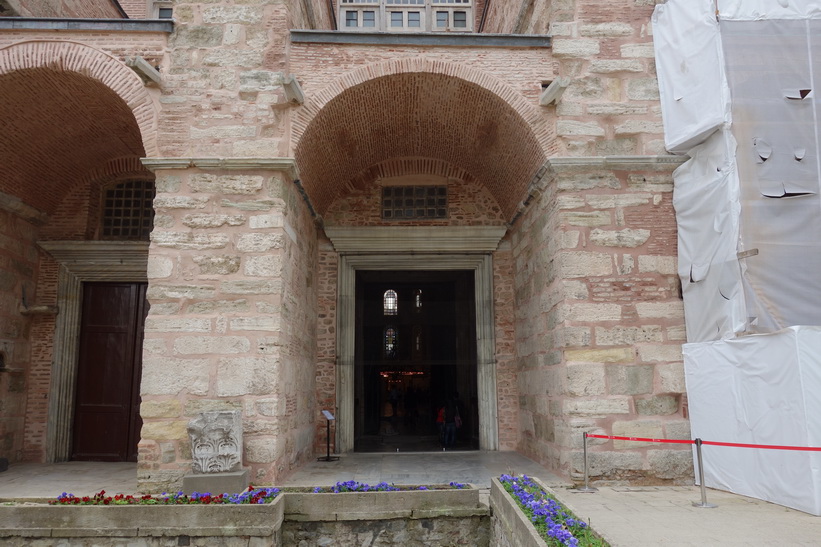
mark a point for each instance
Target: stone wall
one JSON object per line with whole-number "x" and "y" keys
{"x": 427, "y": 531}
{"x": 600, "y": 321}
{"x": 18, "y": 272}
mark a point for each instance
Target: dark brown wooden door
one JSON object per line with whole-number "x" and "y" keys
{"x": 107, "y": 401}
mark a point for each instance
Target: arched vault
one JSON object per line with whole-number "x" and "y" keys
{"x": 425, "y": 115}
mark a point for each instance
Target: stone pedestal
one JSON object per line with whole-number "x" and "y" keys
{"x": 228, "y": 482}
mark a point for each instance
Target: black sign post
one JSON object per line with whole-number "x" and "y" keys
{"x": 328, "y": 458}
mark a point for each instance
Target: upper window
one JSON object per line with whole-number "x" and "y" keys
{"x": 390, "y": 302}
{"x": 406, "y": 15}
{"x": 414, "y": 202}
{"x": 128, "y": 210}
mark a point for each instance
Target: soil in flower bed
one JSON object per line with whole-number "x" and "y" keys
{"x": 555, "y": 523}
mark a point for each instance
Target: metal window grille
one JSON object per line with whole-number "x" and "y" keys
{"x": 128, "y": 210}
{"x": 414, "y": 202}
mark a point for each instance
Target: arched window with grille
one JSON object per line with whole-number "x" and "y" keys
{"x": 390, "y": 302}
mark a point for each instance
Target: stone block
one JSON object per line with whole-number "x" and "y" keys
{"x": 260, "y": 80}
{"x": 179, "y": 202}
{"x": 630, "y": 379}
{"x": 259, "y": 243}
{"x": 157, "y": 292}
{"x": 163, "y": 375}
{"x": 606, "y": 30}
{"x": 170, "y": 408}
{"x": 167, "y": 183}
{"x": 651, "y": 429}
{"x": 611, "y": 66}
{"x": 671, "y": 377}
{"x": 659, "y": 405}
{"x": 197, "y": 406}
{"x": 247, "y": 376}
{"x": 585, "y": 264}
{"x": 665, "y": 265}
{"x": 226, "y": 184}
{"x": 271, "y": 323}
{"x": 644, "y": 50}
{"x": 613, "y": 355}
{"x": 661, "y": 310}
{"x": 586, "y": 312}
{"x": 660, "y": 352}
{"x": 671, "y": 464}
{"x": 221, "y": 132}
{"x": 218, "y": 306}
{"x": 596, "y": 407}
{"x": 251, "y": 287}
{"x": 232, "y": 14}
{"x": 232, "y": 482}
{"x": 588, "y": 181}
{"x": 569, "y": 128}
{"x": 587, "y": 219}
{"x": 274, "y": 220}
{"x": 197, "y": 36}
{"x": 619, "y": 238}
{"x": 580, "y": 47}
{"x": 678, "y": 429}
{"x": 164, "y": 430}
{"x": 205, "y": 220}
{"x": 189, "y": 240}
{"x": 177, "y": 324}
{"x": 634, "y": 127}
{"x": 217, "y": 265}
{"x": 159, "y": 267}
{"x": 252, "y": 205}
{"x": 585, "y": 380}
{"x": 605, "y": 201}
{"x": 263, "y": 266}
{"x": 643, "y": 89}
{"x": 608, "y": 465}
{"x": 262, "y": 450}
{"x": 626, "y": 336}
{"x": 234, "y": 57}
{"x": 204, "y": 345}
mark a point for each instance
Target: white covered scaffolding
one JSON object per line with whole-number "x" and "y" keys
{"x": 739, "y": 83}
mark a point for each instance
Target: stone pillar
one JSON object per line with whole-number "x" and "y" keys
{"x": 600, "y": 319}
{"x": 232, "y": 314}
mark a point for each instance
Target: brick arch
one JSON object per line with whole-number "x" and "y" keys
{"x": 419, "y": 108}
{"x": 67, "y": 56}
{"x": 516, "y": 101}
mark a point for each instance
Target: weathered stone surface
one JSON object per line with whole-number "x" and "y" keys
{"x": 159, "y": 267}
{"x": 189, "y": 240}
{"x": 671, "y": 377}
{"x": 217, "y": 265}
{"x": 226, "y": 184}
{"x": 567, "y": 128}
{"x": 197, "y": 36}
{"x": 275, "y": 220}
{"x": 232, "y": 14}
{"x": 156, "y": 291}
{"x": 585, "y": 264}
{"x": 166, "y": 430}
{"x": 205, "y": 220}
{"x": 665, "y": 310}
{"x": 216, "y": 441}
{"x": 640, "y": 428}
{"x": 170, "y": 408}
{"x": 222, "y": 306}
{"x": 255, "y": 323}
{"x": 596, "y": 407}
{"x": 179, "y": 202}
{"x": 630, "y": 380}
{"x": 585, "y": 379}
{"x": 258, "y": 243}
{"x": 660, "y": 352}
{"x": 671, "y": 464}
{"x": 665, "y": 265}
{"x": 177, "y": 324}
{"x": 594, "y": 312}
{"x": 623, "y": 336}
{"x": 619, "y": 238}
{"x": 263, "y": 266}
{"x": 660, "y": 405}
{"x": 204, "y": 345}
{"x": 164, "y": 375}
{"x": 251, "y": 287}
{"x": 247, "y": 376}
{"x": 587, "y": 218}
{"x": 580, "y": 47}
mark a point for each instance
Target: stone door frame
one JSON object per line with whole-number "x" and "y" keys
{"x": 80, "y": 261}
{"x": 413, "y": 248}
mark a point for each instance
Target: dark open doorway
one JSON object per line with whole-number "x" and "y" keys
{"x": 106, "y": 412}
{"x": 415, "y": 349}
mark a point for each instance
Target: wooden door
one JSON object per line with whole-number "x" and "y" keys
{"x": 107, "y": 397}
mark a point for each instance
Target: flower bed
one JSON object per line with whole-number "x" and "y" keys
{"x": 555, "y": 525}
{"x": 250, "y": 496}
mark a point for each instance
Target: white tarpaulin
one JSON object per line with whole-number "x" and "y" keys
{"x": 748, "y": 208}
{"x": 759, "y": 389}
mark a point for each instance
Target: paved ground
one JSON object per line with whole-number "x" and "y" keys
{"x": 625, "y": 516}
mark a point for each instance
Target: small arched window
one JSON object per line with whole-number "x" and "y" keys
{"x": 390, "y": 302}
{"x": 128, "y": 210}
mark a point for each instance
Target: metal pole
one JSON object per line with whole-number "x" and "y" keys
{"x": 701, "y": 479}
{"x": 586, "y": 488}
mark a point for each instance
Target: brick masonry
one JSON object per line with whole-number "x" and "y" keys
{"x": 242, "y": 280}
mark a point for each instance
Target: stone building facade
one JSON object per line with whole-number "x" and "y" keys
{"x": 270, "y": 136}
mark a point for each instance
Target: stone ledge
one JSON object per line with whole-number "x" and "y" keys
{"x": 95, "y": 25}
{"x": 287, "y": 165}
{"x": 461, "y": 39}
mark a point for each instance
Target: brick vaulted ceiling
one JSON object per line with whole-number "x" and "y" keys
{"x": 57, "y": 126}
{"x": 422, "y": 115}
